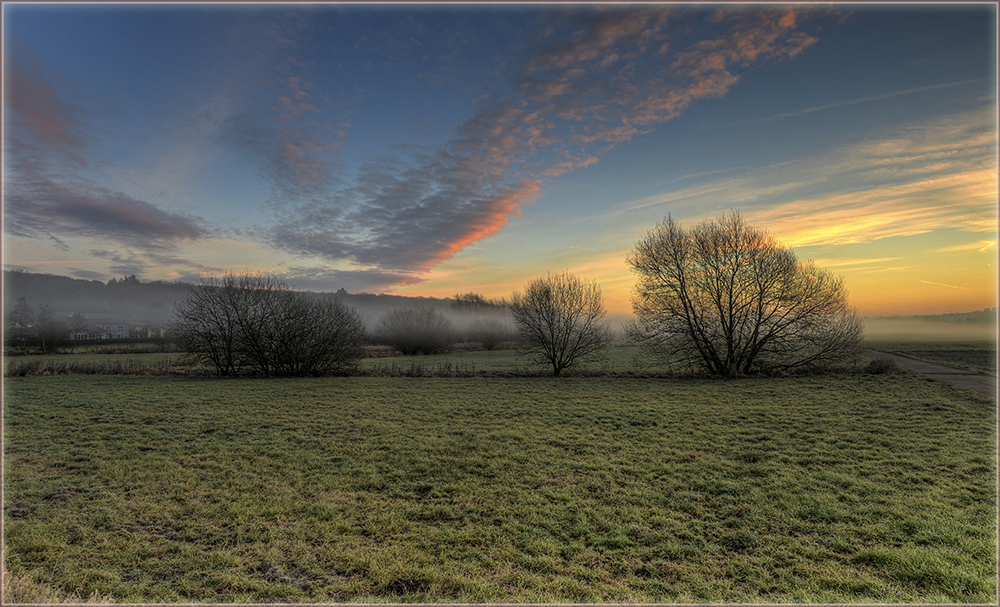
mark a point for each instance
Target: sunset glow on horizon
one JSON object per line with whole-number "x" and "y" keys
{"x": 431, "y": 150}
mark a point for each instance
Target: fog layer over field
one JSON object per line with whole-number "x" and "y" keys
{"x": 916, "y": 329}
{"x": 130, "y": 300}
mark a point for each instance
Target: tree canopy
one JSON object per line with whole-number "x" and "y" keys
{"x": 727, "y": 297}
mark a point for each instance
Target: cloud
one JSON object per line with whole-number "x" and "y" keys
{"x": 47, "y": 196}
{"x": 598, "y": 77}
{"x": 296, "y": 139}
{"x": 324, "y": 278}
{"x": 40, "y": 111}
{"x": 601, "y": 77}
{"x": 981, "y": 246}
{"x": 890, "y": 95}
{"x": 296, "y": 164}
{"x": 917, "y": 179}
{"x": 124, "y": 265}
{"x": 852, "y": 264}
{"x": 37, "y": 205}
{"x": 918, "y": 207}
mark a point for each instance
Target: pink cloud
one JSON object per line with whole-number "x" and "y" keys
{"x": 45, "y": 116}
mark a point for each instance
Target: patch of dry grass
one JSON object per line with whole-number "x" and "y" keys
{"x": 23, "y": 589}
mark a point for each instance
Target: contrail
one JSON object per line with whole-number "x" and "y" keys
{"x": 940, "y": 284}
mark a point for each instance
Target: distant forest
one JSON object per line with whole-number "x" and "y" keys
{"x": 979, "y": 317}
{"x": 131, "y": 300}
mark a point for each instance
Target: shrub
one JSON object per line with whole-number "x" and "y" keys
{"x": 415, "y": 330}
{"x": 491, "y": 332}
{"x": 253, "y": 323}
{"x": 881, "y": 366}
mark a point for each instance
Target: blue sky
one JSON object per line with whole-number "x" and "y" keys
{"x": 434, "y": 150}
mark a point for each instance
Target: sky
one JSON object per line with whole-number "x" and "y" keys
{"x": 431, "y": 150}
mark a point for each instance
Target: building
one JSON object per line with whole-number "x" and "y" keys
{"x": 102, "y": 331}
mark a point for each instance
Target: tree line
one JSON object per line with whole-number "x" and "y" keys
{"x": 723, "y": 296}
{"x": 38, "y": 330}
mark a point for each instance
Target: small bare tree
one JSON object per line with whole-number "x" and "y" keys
{"x": 50, "y": 331}
{"x": 560, "y": 319}
{"x": 19, "y": 325}
{"x": 727, "y": 297}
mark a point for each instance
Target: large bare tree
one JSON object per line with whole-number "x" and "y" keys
{"x": 727, "y": 297}
{"x": 560, "y": 318}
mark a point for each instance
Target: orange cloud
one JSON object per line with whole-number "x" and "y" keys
{"x": 900, "y": 210}
{"x": 497, "y": 216}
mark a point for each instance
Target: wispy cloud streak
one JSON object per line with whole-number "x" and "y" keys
{"x": 924, "y": 177}
{"x": 941, "y": 284}
{"x": 910, "y": 91}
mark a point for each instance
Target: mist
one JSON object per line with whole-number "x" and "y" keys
{"x": 919, "y": 329}
{"x": 152, "y": 303}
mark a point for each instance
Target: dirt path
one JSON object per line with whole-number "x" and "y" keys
{"x": 984, "y": 384}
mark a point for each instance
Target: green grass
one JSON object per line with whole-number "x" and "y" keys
{"x": 850, "y": 488}
{"x": 57, "y": 364}
{"x": 978, "y": 356}
{"x": 621, "y": 358}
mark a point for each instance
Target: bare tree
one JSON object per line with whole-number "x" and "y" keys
{"x": 415, "y": 330}
{"x": 314, "y": 337}
{"x": 205, "y": 325}
{"x": 20, "y": 325}
{"x": 727, "y": 297}
{"x": 560, "y": 319}
{"x": 49, "y": 330}
{"x": 253, "y": 323}
{"x": 78, "y": 323}
{"x": 474, "y": 302}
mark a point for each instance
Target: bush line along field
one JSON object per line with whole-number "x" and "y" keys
{"x": 840, "y": 488}
{"x": 140, "y": 358}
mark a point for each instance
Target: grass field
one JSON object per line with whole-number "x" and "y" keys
{"x": 841, "y": 488}
{"x": 622, "y": 359}
{"x": 968, "y": 346}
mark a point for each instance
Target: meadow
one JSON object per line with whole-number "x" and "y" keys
{"x": 966, "y": 346}
{"x": 978, "y": 356}
{"x": 846, "y": 487}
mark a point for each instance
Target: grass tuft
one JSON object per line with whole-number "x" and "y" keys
{"x": 23, "y": 589}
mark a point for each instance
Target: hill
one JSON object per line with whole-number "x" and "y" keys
{"x": 131, "y": 300}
